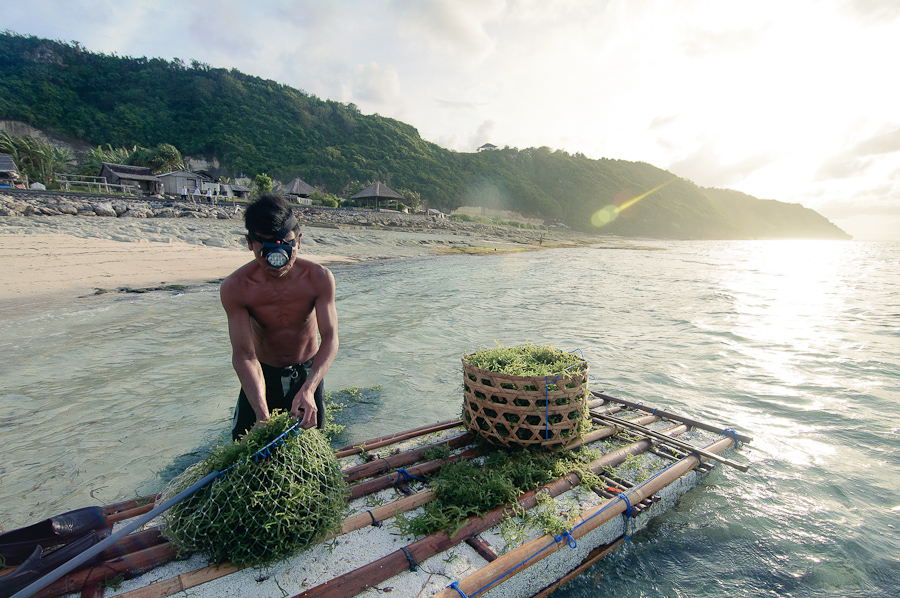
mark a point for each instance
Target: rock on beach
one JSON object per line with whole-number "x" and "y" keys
{"x": 164, "y": 220}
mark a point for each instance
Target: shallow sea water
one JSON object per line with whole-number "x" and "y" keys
{"x": 794, "y": 343}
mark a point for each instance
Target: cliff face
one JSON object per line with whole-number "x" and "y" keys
{"x": 771, "y": 219}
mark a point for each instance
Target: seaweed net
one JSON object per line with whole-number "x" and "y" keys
{"x": 281, "y": 490}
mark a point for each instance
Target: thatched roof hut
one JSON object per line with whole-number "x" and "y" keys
{"x": 296, "y": 189}
{"x": 377, "y": 191}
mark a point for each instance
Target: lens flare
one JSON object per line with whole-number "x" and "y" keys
{"x": 607, "y": 214}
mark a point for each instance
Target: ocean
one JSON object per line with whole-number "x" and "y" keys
{"x": 795, "y": 343}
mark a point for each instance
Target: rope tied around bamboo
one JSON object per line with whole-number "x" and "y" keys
{"x": 546, "y": 409}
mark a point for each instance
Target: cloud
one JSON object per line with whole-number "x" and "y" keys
{"x": 705, "y": 167}
{"x": 374, "y": 84}
{"x": 456, "y": 26}
{"x": 458, "y": 104}
{"x": 661, "y": 122}
{"x": 699, "y": 43}
{"x": 483, "y": 134}
{"x": 861, "y": 157}
{"x": 872, "y": 12}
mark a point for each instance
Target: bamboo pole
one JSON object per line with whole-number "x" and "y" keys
{"x": 356, "y": 581}
{"x": 386, "y": 481}
{"x": 185, "y": 581}
{"x": 383, "y": 464}
{"x": 375, "y": 443}
{"x": 181, "y": 583}
{"x": 127, "y": 547}
{"x": 129, "y": 566}
{"x": 533, "y": 552}
{"x": 379, "y": 514}
{"x": 593, "y": 557}
{"x": 368, "y": 445}
{"x": 129, "y": 513}
{"x": 671, "y": 416}
{"x": 663, "y": 438}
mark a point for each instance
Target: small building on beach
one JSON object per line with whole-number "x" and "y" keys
{"x": 378, "y": 191}
{"x": 9, "y": 173}
{"x": 235, "y": 191}
{"x": 172, "y": 182}
{"x": 139, "y": 178}
{"x": 297, "y": 191}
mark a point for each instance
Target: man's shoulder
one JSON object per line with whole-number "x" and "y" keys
{"x": 241, "y": 277}
{"x": 315, "y": 271}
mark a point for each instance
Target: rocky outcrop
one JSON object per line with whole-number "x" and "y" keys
{"x": 61, "y": 204}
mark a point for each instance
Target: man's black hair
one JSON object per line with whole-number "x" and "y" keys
{"x": 270, "y": 215}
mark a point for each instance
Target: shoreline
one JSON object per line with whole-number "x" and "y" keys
{"x": 53, "y": 260}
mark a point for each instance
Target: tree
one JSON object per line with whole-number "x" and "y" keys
{"x": 92, "y": 160}
{"x": 38, "y": 161}
{"x": 263, "y": 184}
{"x": 411, "y": 198}
{"x": 165, "y": 157}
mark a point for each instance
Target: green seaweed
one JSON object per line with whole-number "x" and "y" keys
{"x": 264, "y": 510}
{"x": 472, "y": 488}
{"x": 526, "y": 360}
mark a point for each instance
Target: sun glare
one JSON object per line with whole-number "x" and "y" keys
{"x": 607, "y": 214}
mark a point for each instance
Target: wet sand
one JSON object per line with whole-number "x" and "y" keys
{"x": 46, "y": 260}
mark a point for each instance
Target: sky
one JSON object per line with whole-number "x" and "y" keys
{"x": 794, "y": 100}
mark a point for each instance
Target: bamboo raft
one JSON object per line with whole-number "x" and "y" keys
{"x": 369, "y": 555}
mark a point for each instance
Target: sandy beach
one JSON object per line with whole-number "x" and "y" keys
{"x": 50, "y": 259}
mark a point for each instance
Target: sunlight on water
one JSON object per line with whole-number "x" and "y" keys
{"x": 793, "y": 343}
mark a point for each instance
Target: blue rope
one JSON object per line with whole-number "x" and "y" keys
{"x": 406, "y": 476}
{"x": 266, "y": 451}
{"x": 546, "y": 408}
{"x": 567, "y": 536}
{"x": 733, "y": 435}
{"x": 512, "y": 570}
{"x": 413, "y": 565}
{"x": 627, "y": 515}
{"x": 547, "y": 384}
{"x": 455, "y": 586}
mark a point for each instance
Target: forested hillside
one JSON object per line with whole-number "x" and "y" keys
{"x": 253, "y": 126}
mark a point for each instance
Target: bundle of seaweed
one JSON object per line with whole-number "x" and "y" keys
{"x": 265, "y": 506}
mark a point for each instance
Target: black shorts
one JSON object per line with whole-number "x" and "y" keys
{"x": 245, "y": 418}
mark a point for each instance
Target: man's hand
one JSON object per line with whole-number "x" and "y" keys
{"x": 303, "y": 408}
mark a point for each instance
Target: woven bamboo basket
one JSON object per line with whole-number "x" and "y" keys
{"x": 511, "y": 411}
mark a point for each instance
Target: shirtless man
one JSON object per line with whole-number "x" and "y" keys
{"x": 276, "y": 305}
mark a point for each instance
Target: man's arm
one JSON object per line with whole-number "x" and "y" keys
{"x": 326, "y": 319}
{"x": 243, "y": 353}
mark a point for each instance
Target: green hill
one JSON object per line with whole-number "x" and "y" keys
{"x": 252, "y": 125}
